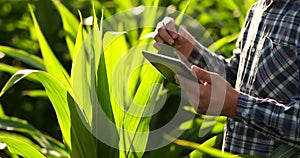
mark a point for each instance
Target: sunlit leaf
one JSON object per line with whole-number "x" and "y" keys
{"x": 107, "y": 102}
{"x": 79, "y": 38}
{"x": 58, "y": 145}
{"x": 143, "y": 103}
{"x": 149, "y": 18}
{"x": 179, "y": 18}
{"x": 84, "y": 82}
{"x": 97, "y": 39}
{"x": 13, "y": 69}
{"x": 35, "y": 93}
{"x": 115, "y": 47}
{"x": 19, "y": 147}
{"x": 122, "y": 5}
{"x": 83, "y": 143}
{"x": 23, "y": 127}
{"x": 52, "y": 64}
{"x": 206, "y": 149}
{"x": 57, "y": 95}
{"x": 70, "y": 24}
{"x": 23, "y": 56}
{"x": 15, "y": 78}
{"x": 2, "y": 113}
{"x": 223, "y": 41}
{"x": 210, "y": 142}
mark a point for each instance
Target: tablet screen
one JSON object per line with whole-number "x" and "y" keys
{"x": 169, "y": 66}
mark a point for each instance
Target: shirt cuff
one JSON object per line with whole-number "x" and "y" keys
{"x": 244, "y": 109}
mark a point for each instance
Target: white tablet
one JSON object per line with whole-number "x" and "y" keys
{"x": 169, "y": 66}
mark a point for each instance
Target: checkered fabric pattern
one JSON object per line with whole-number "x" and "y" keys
{"x": 265, "y": 69}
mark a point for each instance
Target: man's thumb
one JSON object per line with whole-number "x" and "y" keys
{"x": 201, "y": 74}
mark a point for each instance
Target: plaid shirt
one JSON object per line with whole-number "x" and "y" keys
{"x": 265, "y": 69}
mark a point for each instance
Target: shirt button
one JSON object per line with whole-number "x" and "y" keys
{"x": 231, "y": 126}
{"x": 253, "y": 51}
{"x": 244, "y": 114}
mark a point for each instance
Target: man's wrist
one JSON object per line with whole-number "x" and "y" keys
{"x": 231, "y": 103}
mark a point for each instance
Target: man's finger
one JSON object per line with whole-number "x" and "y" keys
{"x": 158, "y": 39}
{"x": 164, "y": 34}
{"x": 157, "y": 45}
{"x": 201, "y": 74}
{"x": 171, "y": 28}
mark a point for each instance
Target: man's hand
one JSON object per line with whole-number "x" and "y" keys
{"x": 166, "y": 32}
{"x": 214, "y": 96}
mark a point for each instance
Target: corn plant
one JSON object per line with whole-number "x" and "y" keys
{"x": 80, "y": 99}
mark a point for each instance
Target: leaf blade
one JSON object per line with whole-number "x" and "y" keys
{"x": 52, "y": 64}
{"x": 21, "y": 148}
{"x": 70, "y": 24}
{"x": 23, "y": 56}
{"x": 57, "y": 94}
{"x": 209, "y": 150}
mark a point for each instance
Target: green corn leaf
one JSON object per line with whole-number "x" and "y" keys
{"x": 84, "y": 83}
{"x": 52, "y": 64}
{"x": 57, "y": 95}
{"x": 223, "y": 41}
{"x": 19, "y": 75}
{"x": 8, "y": 68}
{"x": 22, "y": 126}
{"x": 123, "y": 5}
{"x": 70, "y": 24}
{"x": 217, "y": 128}
{"x": 142, "y": 103}
{"x": 179, "y": 18}
{"x": 284, "y": 151}
{"x": 107, "y": 103}
{"x": 116, "y": 62}
{"x": 150, "y": 3}
{"x": 12, "y": 124}
{"x": 115, "y": 47}
{"x": 206, "y": 149}
{"x": 79, "y": 38}
{"x": 83, "y": 143}
{"x": 2, "y": 113}
{"x": 18, "y": 146}
{"x": 59, "y": 98}
{"x": 231, "y": 5}
{"x": 57, "y": 145}
{"x": 84, "y": 71}
{"x": 35, "y": 93}
{"x": 13, "y": 69}
{"x": 23, "y": 56}
{"x": 97, "y": 38}
{"x": 210, "y": 142}
{"x": 78, "y": 77}
{"x": 149, "y": 18}
{"x": 81, "y": 78}
{"x": 210, "y": 125}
